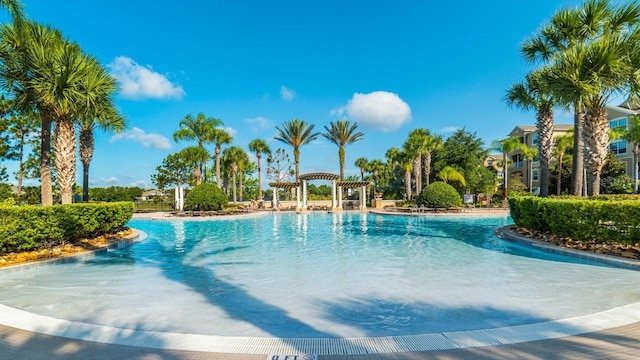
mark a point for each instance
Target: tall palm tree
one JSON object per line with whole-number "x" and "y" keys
{"x": 362, "y": 164}
{"x": 506, "y": 147}
{"x": 220, "y": 137}
{"x": 296, "y": 133}
{"x": 235, "y": 157}
{"x": 200, "y": 129}
{"x": 532, "y": 94}
{"x": 425, "y": 144}
{"x": 110, "y": 122}
{"x": 448, "y": 174}
{"x": 259, "y": 147}
{"x": 17, "y": 76}
{"x": 376, "y": 167}
{"x": 632, "y": 135}
{"x": 529, "y": 154}
{"x": 342, "y": 133}
{"x": 22, "y": 127}
{"x": 406, "y": 161}
{"x": 562, "y": 144}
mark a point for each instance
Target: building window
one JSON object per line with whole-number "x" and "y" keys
{"x": 621, "y": 122}
{"x": 500, "y": 174}
{"x": 535, "y": 175}
{"x": 618, "y": 147}
{"x": 534, "y": 139}
{"x": 517, "y": 161}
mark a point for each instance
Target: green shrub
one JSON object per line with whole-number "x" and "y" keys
{"x": 24, "y": 228}
{"x": 205, "y": 197}
{"x": 579, "y": 218}
{"x": 439, "y": 195}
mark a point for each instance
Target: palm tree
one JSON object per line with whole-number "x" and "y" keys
{"x": 405, "y": 160}
{"x": 200, "y": 129}
{"x": 259, "y": 147}
{"x": 235, "y": 157}
{"x": 18, "y": 74}
{"x": 375, "y": 166}
{"x": 109, "y": 122}
{"x": 562, "y": 144}
{"x": 530, "y": 153}
{"x": 296, "y": 133}
{"x": 506, "y": 146}
{"x": 362, "y": 164}
{"x": 632, "y": 135}
{"x": 220, "y": 137}
{"x": 449, "y": 173}
{"x": 533, "y": 95}
{"x": 342, "y": 133}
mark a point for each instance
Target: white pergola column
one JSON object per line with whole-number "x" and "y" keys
{"x": 304, "y": 194}
{"x": 339, "y": 198}
{"x": 298, "y": 204}
{"x": 363, "y": 198}
{"x": 274, "y": 201}
{"x": 333, "y": 195}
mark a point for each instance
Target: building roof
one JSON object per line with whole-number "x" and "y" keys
{"x": 522, "y": 130}
{"x": 620, "y": 111}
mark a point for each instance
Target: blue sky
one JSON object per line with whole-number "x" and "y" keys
{"x": 391, "y": 66}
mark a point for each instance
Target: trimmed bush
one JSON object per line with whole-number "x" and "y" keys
{"x": 579, "y": 218}
{"x": 24, "y": 228}
{"x": 205, "y": 197}
{"x": 439, "y": 195}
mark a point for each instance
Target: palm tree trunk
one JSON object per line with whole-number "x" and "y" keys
{"x": 341, "y": 160}
{"x": 417, "y": 173}
{"x": 235, "y": 198}
{"x": 241, "y": 185}
{"x": 21, "y": 164}
{"x": 635, "y": 168}
{"x": 427, "y": 168}
{"x": 559, "y": 186}
{"x": 545, "y": 146}
{"x": 46, "y": 191}
{"x": 577, "y": 168}
{"x": 505, "y": 166}
{"x": 296, "y": 159}
{"x": 407, "y": 183}
{"x": 260, "y": 197}
{"x": 531, "y": 177}
{"x": 65, "y": 161}
{"x": 86, "y": 154}
{"x": 596, "y": 129}
{"x": 218, "y": 151}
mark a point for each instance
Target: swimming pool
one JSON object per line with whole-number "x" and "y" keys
{"x": 320, "y": 275}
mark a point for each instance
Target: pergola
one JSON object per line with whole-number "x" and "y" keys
{"x": 336, "y": 186}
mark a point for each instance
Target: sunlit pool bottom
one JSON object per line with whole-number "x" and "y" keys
{"x": 320, "y": 276}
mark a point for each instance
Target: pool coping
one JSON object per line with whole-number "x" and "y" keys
{"x": 20, "y": 319}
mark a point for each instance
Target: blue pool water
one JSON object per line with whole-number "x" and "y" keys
{"x": 320, "y": 275}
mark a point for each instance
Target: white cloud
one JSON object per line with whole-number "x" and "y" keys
{"x": 231, "y": 131}
{"x": 139, "y": 82}
{"x": 380, "y": 110}
{"x": 286, "y": 93}
{"x": 155, "y": 141}
{"x": 449, "y": 129}
{"x": 258, "y": 123}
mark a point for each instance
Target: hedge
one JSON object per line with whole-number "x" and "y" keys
{"x": 24, "y": 228}
{"x": 579, "y": 218}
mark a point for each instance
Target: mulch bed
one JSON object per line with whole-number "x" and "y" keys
{"x": 630, "y": 251}
{"x": 64, "y": 249}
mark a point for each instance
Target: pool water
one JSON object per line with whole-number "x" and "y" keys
{"x": 320, "y": 275}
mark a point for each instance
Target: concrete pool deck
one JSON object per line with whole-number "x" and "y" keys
{"x": 613, "y": 334}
